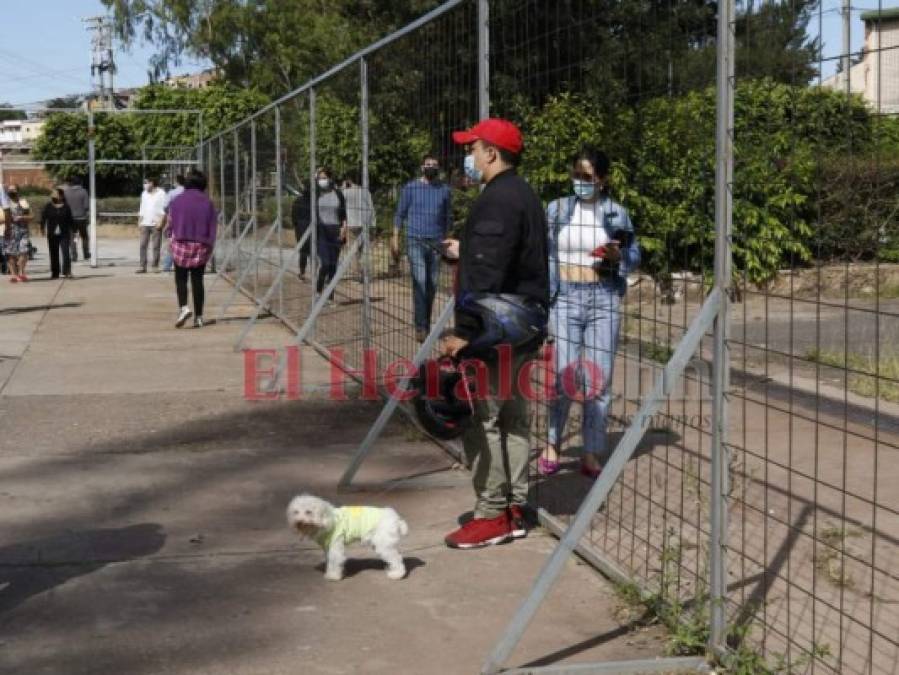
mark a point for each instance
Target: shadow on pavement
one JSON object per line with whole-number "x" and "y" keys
{"x": 38, "y": 308}
{"x": 32, "y": 567}
{"x": 354, "y": 566}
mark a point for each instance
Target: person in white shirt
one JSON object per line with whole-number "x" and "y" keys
{"x": 360, "y": 213}
{"x": 153, "y": 203}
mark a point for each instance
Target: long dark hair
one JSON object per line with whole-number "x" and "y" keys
{"x": 598, "y": 160}
{"x": 58, "y": 191}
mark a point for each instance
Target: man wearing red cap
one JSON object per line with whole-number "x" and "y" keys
{"x": 502, "y": 251}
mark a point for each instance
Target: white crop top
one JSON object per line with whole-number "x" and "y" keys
{"x": 583, "y": 235}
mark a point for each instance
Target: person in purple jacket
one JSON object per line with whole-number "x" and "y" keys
{"x": 192, "y": 223}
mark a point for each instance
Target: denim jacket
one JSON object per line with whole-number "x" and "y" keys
{"x": 615, "y": 217}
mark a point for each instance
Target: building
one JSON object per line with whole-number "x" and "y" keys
{"x": 199, "y": 80}
{"x": 876, "y": 76}
{"x": 20, "y": 132}
{"x": 31, "y": 129}
{"x": 17, "y": 137}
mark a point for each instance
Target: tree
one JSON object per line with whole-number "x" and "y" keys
{"x": 274, "y": 44}
{"x": 11, "y": 114}
{"x": 67, "y": 102}
{"x": 125, "y": 136}
{"x": 222, "y": 105}
{"x": 64, "y": 137}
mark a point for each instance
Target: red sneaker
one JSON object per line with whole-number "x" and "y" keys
{"x": 518, "y": 522}
{"x": 479, "y": 532}
{"x": 23, "y": 278}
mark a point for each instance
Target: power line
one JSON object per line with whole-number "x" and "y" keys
{"x": 38, "y": 69}
{"x": 22, "y": 78}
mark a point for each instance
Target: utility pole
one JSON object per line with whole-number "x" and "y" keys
{"x": 103, "y": 66}
{"x": 846, "y": 44}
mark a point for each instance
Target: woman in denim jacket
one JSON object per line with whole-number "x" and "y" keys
{"x": 592, "y": 247}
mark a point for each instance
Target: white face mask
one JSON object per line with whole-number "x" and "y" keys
{"x": 324, "y": 183}
{"x": 471, "y": 170}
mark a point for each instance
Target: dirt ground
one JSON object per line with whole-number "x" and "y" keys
{"x": 143, "y": 502}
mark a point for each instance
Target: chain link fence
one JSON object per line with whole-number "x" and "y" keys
{"x": 808, "y": 413}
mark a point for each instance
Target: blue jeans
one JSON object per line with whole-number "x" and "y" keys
{"x": 424, "y": 264}
{"x": 585, "y": 322}
{"x": 168, "y": 261}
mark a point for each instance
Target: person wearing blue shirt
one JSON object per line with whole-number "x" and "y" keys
{"x": 425, "y": 209}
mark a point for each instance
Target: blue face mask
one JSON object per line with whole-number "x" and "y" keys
{"x": 471, "y": 170}
{"x": 584, "y": 189}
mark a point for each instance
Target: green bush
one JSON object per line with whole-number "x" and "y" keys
{"x": 663, "y": 170}
{"x": 859, "y": 207}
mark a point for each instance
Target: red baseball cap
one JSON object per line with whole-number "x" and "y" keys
{"x": 499, "y": 132}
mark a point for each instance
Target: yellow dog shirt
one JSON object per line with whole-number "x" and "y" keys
{"x": 351, "y": 523}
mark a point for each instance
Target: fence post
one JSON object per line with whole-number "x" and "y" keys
{"x": 253, "y": 203}
{"x": 279, "y": 191}
{"x": 313, "y": 205}
{"x": 223, "y": 204}
{"x": 483, "y": 58}
{"x": 92, "y": 186}
{"x": 366, "y": 236}
{"x": 719, "y": 466}
{"x": 237, "y": 195}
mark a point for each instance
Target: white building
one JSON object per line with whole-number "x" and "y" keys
{"x": 20, "y": 132}
{"x": 876, "y": 76}
{"x": 199, "y": 80}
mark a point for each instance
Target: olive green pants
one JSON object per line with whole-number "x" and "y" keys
{"x": 497, "y": 442}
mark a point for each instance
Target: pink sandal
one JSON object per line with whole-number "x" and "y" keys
{"x": 547, "y": 467}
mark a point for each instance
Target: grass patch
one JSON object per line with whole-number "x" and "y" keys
{"x": 688, "y": 622}
{"x": 828, "y": 558}
{"x": 656, "y": 352}
{"x": 890, "y": 292}
{"x": 870, "y": 378}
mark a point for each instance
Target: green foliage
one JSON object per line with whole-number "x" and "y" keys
{"x": 11, "y": 114}
{"x": 859, "y": 201}
{"x": 222, "y": 105}
{"x": 273, "y": 44}
{"x": 663, "y": 170}
{"x": 554, "y": 133}
{"x": 64, "y": 137}
{"x": 338, "y": 142}
{"x": 124, "y": 136}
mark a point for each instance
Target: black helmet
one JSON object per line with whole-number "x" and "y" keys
{"x": 441, "y": 410}
{"x": 502, "y": 318}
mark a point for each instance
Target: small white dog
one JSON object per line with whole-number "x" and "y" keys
{"x": 333, "y": 528}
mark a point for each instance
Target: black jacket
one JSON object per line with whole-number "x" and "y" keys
{"x": 300, "y": 214}
{"x": 503, "y": 248}
{"x": 52, "y": 216}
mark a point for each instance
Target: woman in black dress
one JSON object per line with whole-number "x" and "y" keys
{"x": 57, "y": 223}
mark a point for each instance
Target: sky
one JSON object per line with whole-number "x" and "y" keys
{"x": 47, "y": 54}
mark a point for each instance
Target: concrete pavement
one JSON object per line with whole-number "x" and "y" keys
{"x": 142, "y": 522}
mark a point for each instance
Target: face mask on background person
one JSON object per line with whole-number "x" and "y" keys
{"x": 430, "y": 172}
{"x": 471, "y": 170}
{"x": 584, "y": 189}
{"x": 324, "y": 183}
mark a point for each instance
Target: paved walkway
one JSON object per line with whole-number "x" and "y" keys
{"x": 142, "y": 509}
